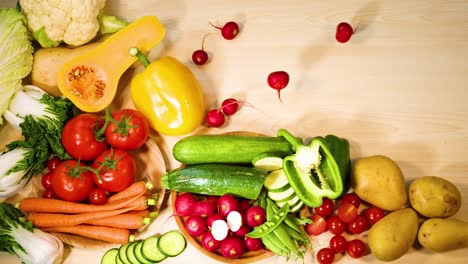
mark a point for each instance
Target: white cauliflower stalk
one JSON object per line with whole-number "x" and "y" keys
{"x": 74, "y": 22}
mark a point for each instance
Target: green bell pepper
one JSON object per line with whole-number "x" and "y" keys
{"x": 339, "y": 148}
{"x": 312, "y": 171}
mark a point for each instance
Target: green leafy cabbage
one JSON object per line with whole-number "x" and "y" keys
{"x": 16, "y": 54}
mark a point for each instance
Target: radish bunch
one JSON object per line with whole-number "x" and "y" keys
{"x": 220, "y": 223}
{"x": 217, "y": 117}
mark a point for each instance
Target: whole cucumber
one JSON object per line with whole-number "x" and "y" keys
{"x": 216, "y": 179}
{"x": 240, "y": 149}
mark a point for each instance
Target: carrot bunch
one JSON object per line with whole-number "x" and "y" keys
{"x": 112, "y": 222}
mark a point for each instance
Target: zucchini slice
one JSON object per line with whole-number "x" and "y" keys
{"x": 283, "y": 196}
{"x": 276, "y": 181}
{"x": 172, "y": 243}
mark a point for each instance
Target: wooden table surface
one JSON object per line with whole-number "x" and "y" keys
{"x": 397, "y": 88}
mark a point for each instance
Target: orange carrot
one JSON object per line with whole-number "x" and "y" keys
{"x": 54, "y": 219}
{"x": 139, "y": 187}
{"x": 103, "y": 233}
{"x": 126, "y": 220}
{"x": 143, "y": 213}
{"x": 45, "y": 205}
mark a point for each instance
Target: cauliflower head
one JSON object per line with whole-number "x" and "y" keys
{"x": 74, "y": 22}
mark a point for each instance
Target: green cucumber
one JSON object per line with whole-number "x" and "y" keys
{"x": 240, "y": 149}
{"x": 130, "y": 252}
{"x": 139, "y": 254}
{"x": 150, "y": 250}
{"x": 110, "y": 256}
{"x": 122, "y": 254}
{"x": 269, "y": 161}
{"x": 216, "y": 179}
{"x": 296, "y": 207}
{"x": 283, "y": 196}
{"x": 172, "y": 243}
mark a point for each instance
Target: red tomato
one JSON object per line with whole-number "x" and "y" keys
{"x": 53, "y": 162}
{"x": 358, "y": 225}
{"x": 116, "y": 169}
{"x": 78, "y": 137}
{"x": 128, "y": 130}
{"x": 373, "y": 214}
{"x": 46, "y": 180}
{"x": 326, "y": 208}
{"x": 97, "y": 196}
{"x": 356, "y": 248}
{"x": 325, "y": 256}
{"x": 347, "y": 212}
{"x": 72, "y": 182}
{"x": 338, "y": 243}
{"x": 351, "y": 198}
{"x": 318, "y": 225}
{"x": 335, "y": 225}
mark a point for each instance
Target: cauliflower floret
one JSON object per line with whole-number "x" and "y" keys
{"x": 74, "y": 22}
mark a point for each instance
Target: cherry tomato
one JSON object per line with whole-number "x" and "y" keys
{"x": 356, "y": 248}
{"x": 338, "y": 243}
{"x": 358, "y": 225}
{"x": 373, "y": 214}
{"x": 325, "y": 256}
{"x": 335, "y": 225}
{"x": 78, "y": 137}
{"x": 72, "y": 182}
{"x": 49, "y": 193}
{"x": 128, "y": 129}
{"x": 46, "y": 180}
{"x": 351, "y": 198}
{"x": 318, "y": 225}
{"x": 326, "y": 208}
{"x": 97, "y": 196}
{"x": 347, "y": 212}
{"x": 116, "y": 170}
{"x": 52, "y": 163}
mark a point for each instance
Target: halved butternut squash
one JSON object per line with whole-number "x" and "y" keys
{"x": 90, "y": 81}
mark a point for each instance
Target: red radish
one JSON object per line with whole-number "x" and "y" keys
{"x": 278, "y": 80}
{"x": 255, "y": 216}
{"x": 210, "y": 219}
{"x": 234, "y": 220}
{"x": 200, "y": 57}
{"x": 243, "y": 205}
{"x": 226, "y": 204}
{"x": 213, "y": 199}
{"x": 195, "y": 225}
{"x": 232, "y": 247}
{"x": 219, "y": 229}
{"x": 243, "y": 230}
{"x": 215, "y": 118}
{"x": 230, "y": 106}
{"x": 209, "y": 243}
{"x": 344, "y": 31}
{"x": 204, "y": 208}
{"x": 229, "y": 30}
{"x": 253, "y": 244}
{"x": 184, "y": 204}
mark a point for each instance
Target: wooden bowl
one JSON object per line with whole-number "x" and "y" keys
{"x": 248, "y": 257}
{"x": 150, "y": 167}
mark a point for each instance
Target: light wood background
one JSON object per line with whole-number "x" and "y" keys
{"x": 397, "y": 88}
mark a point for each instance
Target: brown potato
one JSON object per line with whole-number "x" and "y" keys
{"x": 378, "y": 180}
{"x": 441, "y": 235}
{"x": 433, "y": 196}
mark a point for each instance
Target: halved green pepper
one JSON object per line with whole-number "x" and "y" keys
{"x": 312, "y": 171}
{"x": 339, "y": 148}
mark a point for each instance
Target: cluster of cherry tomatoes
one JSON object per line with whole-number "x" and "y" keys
{"x": 344, "y": 217}
{"x": 101, "y": 161}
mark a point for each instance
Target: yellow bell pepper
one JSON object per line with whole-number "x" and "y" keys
{"x": 168, "y": 94}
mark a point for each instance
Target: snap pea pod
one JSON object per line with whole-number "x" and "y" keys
{"x": 272, "y": 243}
{"x": 270, "y": 224}
{"x": 282, "y": 234}
{"x": 289, "y": 220}
{"x": 298, "y": 236}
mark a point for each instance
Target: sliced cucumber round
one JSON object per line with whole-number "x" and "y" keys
{"x": 276, "y": 181}
{"x": 123, "y": 253}
{"x": 283, "y": 196}
{"x": 110, "y": 256}
{"x": 139, "y": 254}
{"x": 296, "y": 207}
{"x": 150, "y": 250}
{"x": 291, "y": 201}
{"x": 268, "y": 161}
{"x": 172, "y": 243}
{"x": 130, "y": 252}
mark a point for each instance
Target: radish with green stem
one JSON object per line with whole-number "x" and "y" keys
{"x": 229, "y": 30}
{"x": 278, "y": 80}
